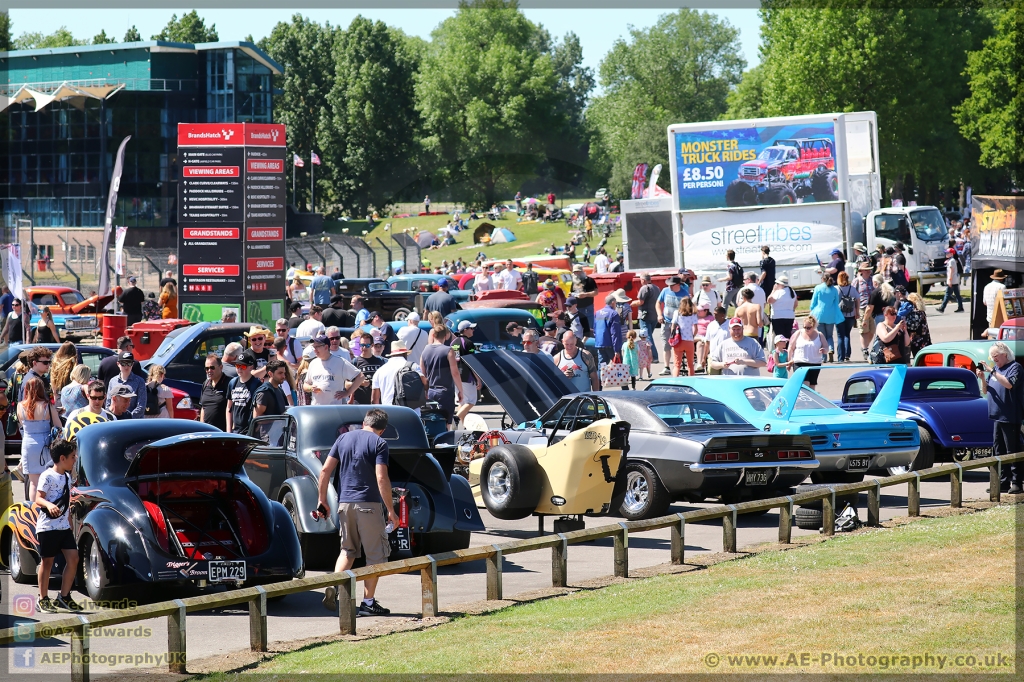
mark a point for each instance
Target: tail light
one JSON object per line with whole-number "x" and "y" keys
{"x": 795, "y": 454}
{"x": 721, "y": 457}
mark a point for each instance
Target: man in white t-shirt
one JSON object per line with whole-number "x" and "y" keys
{"x": 311, "y": 326}
{"x": 601, "y": 262}
{"x": 414, "y": 338}
{"x": 988, "y": 295}
{"x": 334, "y": 339}
{"x": 517, "y": 277}
{"x": 327, "y": 375}
{"x": 738, "y": 355}
{"x": 760, "y": 298}
{"x": 385, "y": 379}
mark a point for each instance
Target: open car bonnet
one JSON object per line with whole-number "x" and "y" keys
{"x": 93, "y": 304}
{"x": 525, "y": 384}
{"x": 192, "y": 453}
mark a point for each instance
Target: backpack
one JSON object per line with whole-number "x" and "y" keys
{"x": 847, "y": 303}
{"x": 152, "y": 400}
{"x": 737, "y": 278}
{"x": 409, "y": 389}
{"x": 959, "y": 265}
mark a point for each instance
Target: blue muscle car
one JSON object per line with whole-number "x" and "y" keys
{"x": 847, "y": 444}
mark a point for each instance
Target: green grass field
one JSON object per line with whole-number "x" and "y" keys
{"x": 938, "y": 587}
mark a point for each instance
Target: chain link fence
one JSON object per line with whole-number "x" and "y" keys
{"x": 352, "y": 256}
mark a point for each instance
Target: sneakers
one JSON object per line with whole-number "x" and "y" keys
{"x": 372, "y": 609}
{"x": 959, "y": 310}
{"x": 1015, "y": 489}
{"x": 46, "y": 604}
{"x": 66, "y": 603}
{"x": 330, "y": 601}
{"x": 665, "y": 372}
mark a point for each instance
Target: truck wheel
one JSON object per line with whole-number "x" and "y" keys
{"x": 739, "y": 193}
{"x": 510, "y": 482}
{"x": 825, "y": 186}
{"x": 401, "y": 314}
{"x": 780, "y": 194}
{"x": 642, "y": 495}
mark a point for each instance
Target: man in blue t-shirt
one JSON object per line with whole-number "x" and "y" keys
{"x": 321, "y": 288}
{"x": 364, "y": 495}
{"x": 1004, "y": 388}
{"x": 667, "y": 305}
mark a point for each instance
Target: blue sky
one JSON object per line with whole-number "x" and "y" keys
{"x": 597, "y": 28}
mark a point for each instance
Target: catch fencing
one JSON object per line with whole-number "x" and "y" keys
{"x": 176, "y": 610}
{"x": 352, "y": 256}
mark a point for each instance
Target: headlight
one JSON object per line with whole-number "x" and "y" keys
{"x": 184, "y": 404}
{"x": 466, "y": 453}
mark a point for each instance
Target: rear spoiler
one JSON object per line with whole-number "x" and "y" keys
{"x": 784, "y": 403}
{"x": 885, "y": 405}
{"x": 888, "y": 399}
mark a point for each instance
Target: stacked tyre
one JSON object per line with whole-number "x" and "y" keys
{"x": 809, "y": 516}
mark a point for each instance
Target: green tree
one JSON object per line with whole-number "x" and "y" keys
{"x": 62, "y": 37}
{"x": 993, "y": 115}
{"x": 189, "y": 29}
{"x": 745, "y": 100}
{"x": 102, "y": 38}
{"x": 305, "y": 49}
{"x": 5, "y": 31}
{"x": 679, "y": 70}
{"x": 369, "y": 131}
{"x": 903, "y": 62}
{"x": 132, "y": 35}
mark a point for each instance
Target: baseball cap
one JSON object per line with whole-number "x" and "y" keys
{"x": 837, "y": 251}
{"x": 337, "y": 298}
{"x": 309, "y": 352}
{"x": 550, "y": 326}
{"x": 125, "y": 357}
{"x": 900, "y": 289}
{"x": 123, "y": 392}
{"x": 413, "y": 316}
{"x": 672, "y": 280}
{"x": 735, "y": 322}
{"x": 466, "y": 324}
{"x": 442, "y": 283}
{"x": 780, "y": 337}
{"x": 247, "y": 358}
{"x": 296, "y": 305}
{"x": 132, "y": 279}
{"x": 572, "y": 300}
{"x": 373, "y": 314}
{"x": 320, "y": 339}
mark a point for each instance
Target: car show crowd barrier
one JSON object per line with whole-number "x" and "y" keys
{"x": 176, "y": 610}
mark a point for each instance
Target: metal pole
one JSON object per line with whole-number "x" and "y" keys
{"x": 312, "y": 185}
{"x": 390, "y": 256}
{"x": 295, "y": 201}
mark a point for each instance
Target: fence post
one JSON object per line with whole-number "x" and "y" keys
{"x": 622, "y": 552}
{"x": 347, "y": 604}
{"x": 914, "y": 495}
{"x": 729, "y": 531}
{"x": 995, "y": 473}
{"x": 956, "y": 487}
{"x": 560, "y": 563}
{"x": 176, "y": 639}
{"x": 828, "y": 513}
{"x": 428, "y": 585}
{"x": 786, "y": 521}
{"x": 679, "y": 540}
{"x": 494, "y": 574}
{"x": 258, "y": 620}
{"x": 80, "y": 651}
{"x": 874, "y": 505}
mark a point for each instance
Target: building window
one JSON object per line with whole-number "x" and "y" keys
{"x": 220, "y": 86}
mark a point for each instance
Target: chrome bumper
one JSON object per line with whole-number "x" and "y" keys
{"x": 879, "y": 460}
{"x": 740, "y": 466}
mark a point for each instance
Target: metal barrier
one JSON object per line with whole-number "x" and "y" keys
{"x": 256, "y": 597}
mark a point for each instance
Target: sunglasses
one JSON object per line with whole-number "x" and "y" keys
{"x": 97, "y": 397}
{"x": 44, "y": 362}
{"x": 334, "y": 338}
{"x": 209, "y": 369}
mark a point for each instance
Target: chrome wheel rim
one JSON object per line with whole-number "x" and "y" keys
{"x": 15, "y": 557}
{"x": 498, "y": 485}
{"x": 92, "y": 573}
{"x": 637, "y": 493}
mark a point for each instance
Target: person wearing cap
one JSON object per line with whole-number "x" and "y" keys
{"x": 549, "y": 343}
{"x": 313, "y": 325}
{"x": 463, "y": 345}
{"x": 296, "y": 318}
{"x": 337, "y": 315}
{"x": 382, "y": 329}
{"x": 646, "y": 304}
{"x": 120, "y": 403}
{"x": 385, "y": 380}
{"x": 991, "y": 290}
{"x": 865, "y": 286}
{"x": 327, "y": 376}
{"x": 607, "y": 330}
{"x": 414, "y": 338}
{"x": 738, "y": 355}
{"x": 766, "y": 280}
{"x": 780, "y": 357}
{"x": 584, "y": 290}
{"x": 837, "y": 263}
{"x": 368, "y": 363}
{"x": 441, "y": 300}
{"x": 322, "y": 288}
{"x": 902, "y": 305}
{"x": 257, "y": 336}
{"x": 667, "y": 305}
{"x": 131, "y": 300}
{"x": 953, "y": 268}
{"x": 578, "y": 322}
{"x": 242, "y": 393}
{"x": 552, "y": 298}
{"x": 108, "y": 368}
{"x": 135, "y": 384}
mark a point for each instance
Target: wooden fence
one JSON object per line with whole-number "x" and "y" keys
{"x": 176, "y": 610}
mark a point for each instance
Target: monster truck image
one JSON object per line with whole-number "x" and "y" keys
{"x": 789, "y": 170}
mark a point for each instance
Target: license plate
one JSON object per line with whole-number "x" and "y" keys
{"x": 859, "y": 463}
{"x": 757, "y": 477}
{"x": 399, "y": 539}
{"x": 225, "y": 571}
{"x": 963, "y": 454}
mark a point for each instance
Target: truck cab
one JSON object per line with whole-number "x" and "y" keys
{"x": 922, "y": 229}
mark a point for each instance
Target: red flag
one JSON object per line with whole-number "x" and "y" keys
{"x": 297, "y": 161}
{"x": 314, "y": 158}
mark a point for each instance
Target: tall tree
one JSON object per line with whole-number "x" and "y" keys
{"x": 5, "y": 31}
{"x": 993, "y": 115}
{"x": 102, "y": 38}
{"x": 489, "y": 99}
{"x": 745, "y": 100}
{"x": 191, "y": 28}
{"x": 568, "y": 154}
{"x": 903, "y": 62}
{"x": 369, "y": 132}
{"x": 132, "y": 35}
{"x": 679, "y": 70}
{"x": 62, "y": 37}
{"x": 305, "y": 49}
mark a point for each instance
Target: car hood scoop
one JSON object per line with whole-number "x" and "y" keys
{"x": 527, "y": 385}
{"x": 192, "y": 453}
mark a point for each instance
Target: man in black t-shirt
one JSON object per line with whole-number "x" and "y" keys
{"x": 584, "y": 289}
{"x": 337, "y": 315}
{"x": 367, "y": 363}
{"x": 241, "y": 391}
{"x": 131, "y": 300}
{"x": 767, "y": 279}
{"x": 463, "y": 345}
{"x": 270, "y": 399}
{"x": 214, "y": 399}
{"x": 899, "y": 270}
{"x": 296, "y": 319}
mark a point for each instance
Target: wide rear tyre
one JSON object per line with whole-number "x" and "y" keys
{"x": 739, "y": 193}
{"x": 510, "y": 482}
{"x": 641, "y": 496}
{"x": 95, "y": 571}
{"x": 824, "y": 186}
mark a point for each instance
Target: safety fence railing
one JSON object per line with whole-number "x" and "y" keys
{"x": 176, "y": 611}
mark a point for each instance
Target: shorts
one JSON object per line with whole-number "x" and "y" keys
{"x": 52, "y": 542}
{"x": 468, "y": 393}
{"x": 362, "y": 527}
{"x": 812, "y": 374}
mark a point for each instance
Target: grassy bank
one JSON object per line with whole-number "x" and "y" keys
{"x": 939, "y": 587}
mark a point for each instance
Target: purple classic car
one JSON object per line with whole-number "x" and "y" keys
{"x": 946, "y": 403}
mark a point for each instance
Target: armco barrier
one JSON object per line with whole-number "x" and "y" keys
{"x": 256, "y": 597}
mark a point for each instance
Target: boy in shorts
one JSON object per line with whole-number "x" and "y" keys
{"x": 53, "y": 529}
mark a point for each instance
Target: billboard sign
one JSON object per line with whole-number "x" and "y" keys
{"x": 751, "y": 166}
{"x": 802, "y": 235}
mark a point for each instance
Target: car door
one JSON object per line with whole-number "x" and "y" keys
{"x": 266, "y": 464}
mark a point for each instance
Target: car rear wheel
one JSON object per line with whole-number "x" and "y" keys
{"x": 319, "y": 551}
{"x": 95, "y": 570}
{"x": 925, "y": 457}
{"x": 643, "y": 496}
{"x": 20, "y": 562}
{"x": 401, "y": 314}
{"x": 510, "y": 482}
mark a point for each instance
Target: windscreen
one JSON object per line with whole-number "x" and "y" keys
{"x": 688, "y": 415}
{"x": 929, "y": 225}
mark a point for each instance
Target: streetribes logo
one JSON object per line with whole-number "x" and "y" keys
{"x": 762, "y": 234}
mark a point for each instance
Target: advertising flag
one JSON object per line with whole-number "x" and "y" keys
{"x": 12, "y": 269}
{"x": 655, "y": 174}
{"x": 122, "y": 230}
{"x": 115, "y": 184}
{"x": 297, "y": 161}
{"x": 314, "y": 158}
{"x": 639, "y": 174}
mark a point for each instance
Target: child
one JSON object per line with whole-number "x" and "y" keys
{"x": 704, "y": 318}
{"x": 631, "y": 357}
{"x": 780, "y": 356}
{"x": 645, "y": 355}
{"x": 53, "y": 530}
